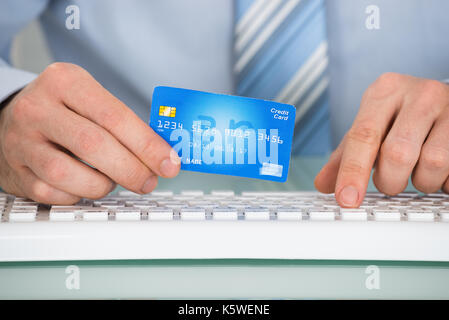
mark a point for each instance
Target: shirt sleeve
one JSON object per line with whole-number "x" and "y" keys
{"x": 12, "y": 80}
{"x": 14, "y": 15}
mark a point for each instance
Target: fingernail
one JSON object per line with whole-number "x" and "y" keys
{"x": 174, "y": 157}
{"x": 149, "y": 185}
{"x": 169, "y": 168}
{"x": 349, "y": 196}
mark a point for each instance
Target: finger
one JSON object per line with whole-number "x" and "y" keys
{"x": 40, "y": 191}
{"x": 432, "y": 169}
{"x": 401, "y": 149}
{"x": 327, "y": 177}
{"x": 99, "y": 148}
{"x": 89, "y": 99}
{"x": 445, "y": 186}
{"x": 66, "y": 173}
{"x": 362, "y": 142}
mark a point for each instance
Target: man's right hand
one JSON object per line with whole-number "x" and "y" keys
{"x": 65, "y": 116}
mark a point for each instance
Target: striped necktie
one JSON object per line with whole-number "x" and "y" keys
{"x": 281, "y": 54}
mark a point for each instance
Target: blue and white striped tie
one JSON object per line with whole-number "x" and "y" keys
{"x": 281, "y": 54}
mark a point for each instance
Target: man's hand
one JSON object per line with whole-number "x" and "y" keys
{"x": 63, "y": 116}
{"x": 403, "y": 128}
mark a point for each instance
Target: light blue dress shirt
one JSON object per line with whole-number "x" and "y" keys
{"x": 131, "y": 46}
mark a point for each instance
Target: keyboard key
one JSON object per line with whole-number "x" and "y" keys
{"x": 420, "y": 216}
{"x": 67, "y": 208}
{"x": 257, "y": 214}
{"x": 108, "y": 204}
{"x": 434, "y": 208}
{"x": 203, "y": 204}
{"x": 235, "y": 204}
{"x": 353, "y": 214}
{"x": 375, "y": 195}
{"x": 322, "y": 215}
{"x": 160, "y": 214}
{"x": 184, "y": 198}
{"x": 22, "y": 216}
{"x": 62, "y": 215}
{"x": 216, "y": 199}
{"x": 436, "y": 195}
{"x": 407, "y": 194}
{"x": 141, "y": 204}
{"x": 127, "y": 193}
{"x": 24, "y": 207}
{"x": 386, "y": 215}
{"x": 386, "y": 203}
{"x": 267, "y": 205}
{"x": 368, "y": 207}
{"x": 420, "y": 203}
{"x": 299, "y": 205}
{"x": 225, "y": 214}
{"x": 289, "y": 214}
{"x": 192, "y": 193}
{"x": 23, "y": 200}
{"x": 331, "y": 206}
{"x": 173, "y": 204}
{"x": 191, "y": 214}
{"x": 444, "y": 216}
{"x": 165, "y": 194}
{"x": 242, "y": 199}
{"x": 95, "y": 214}
{"x": 400, "y": 207}
{"x": 127, "y": 214}
{"x": 222, "y": 193}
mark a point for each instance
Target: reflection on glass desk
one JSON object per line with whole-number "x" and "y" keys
{"x": 215, "y": 279}
{"x": 197, "y": 279}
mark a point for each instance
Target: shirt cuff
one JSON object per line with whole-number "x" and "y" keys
{"x": 12, "y": 80}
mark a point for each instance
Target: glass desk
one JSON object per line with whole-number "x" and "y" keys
{"x": 214, "y": 279}
{"x": 222, "y": 279}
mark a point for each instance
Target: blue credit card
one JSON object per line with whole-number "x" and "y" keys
{"x": 223, "y": 134}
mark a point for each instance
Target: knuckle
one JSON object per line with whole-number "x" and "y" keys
{"x": 434, "y": 158}
{"x": 432, "y": 95}
{"x": 10, "y": 141}
{"x": 364, "y": 133}
{"x": 23, "y": 108}
{"x": 111, "y": 117}
{"x": 384, "y": 85}
{"x": 424, "y": 185}
{"x": 436, "y": 88}
{"x": 386, "y": 185}
{"x": 60, "y": 75}
{"x": 100, "y": 189}
{"x": 40, "y": 192}
{"x": 150, "y": 148}
{"x": 389, "y": 78}
{"x": 55, "y": 69}
{"x": 352, "y": 167}
{"x": 135, "y": 177}
{"x": 399, "y": 154}
{"x": 55, "y": 170}
{"x": 89, "y": 140}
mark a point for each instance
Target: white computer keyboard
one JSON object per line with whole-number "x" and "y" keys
{"x": 221, "y": 225}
